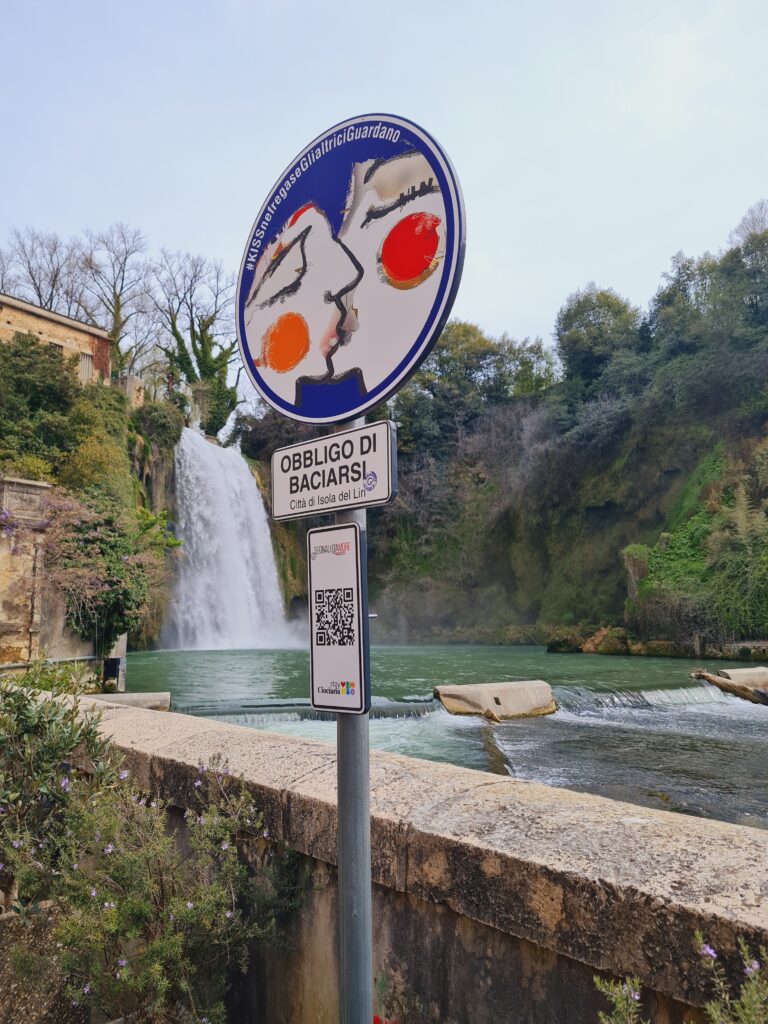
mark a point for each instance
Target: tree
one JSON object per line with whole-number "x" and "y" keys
{"x": 754, "y": 222}
{"x": 194, "y": 300}
{"x": 590, "y": 327}
{"x": 465, "y": 374}
{"x": 47, "y": 271}
{"x": 117, "y": 292}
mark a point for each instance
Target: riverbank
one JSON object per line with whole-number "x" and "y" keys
{"x": 559, "y": 639}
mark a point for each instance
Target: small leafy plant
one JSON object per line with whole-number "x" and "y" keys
{"x": 624, "y": 997}
{"x": 747, "y": 1005}
{"x": 51, "y": 752}
{"x": 157, "y": 908}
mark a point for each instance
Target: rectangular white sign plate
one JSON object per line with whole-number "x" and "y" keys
{"x": 355, "y": 468}
{"x": 338, "y": 619}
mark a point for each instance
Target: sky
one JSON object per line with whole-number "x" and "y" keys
{"x": 592, "y": 140}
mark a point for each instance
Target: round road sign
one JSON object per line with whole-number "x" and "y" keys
{"x": 350, "y": 269}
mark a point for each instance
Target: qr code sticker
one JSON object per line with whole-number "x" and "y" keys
{"x": 335, "y": 617}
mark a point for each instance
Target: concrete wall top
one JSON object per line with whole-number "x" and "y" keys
{"x": 616, "y": 886}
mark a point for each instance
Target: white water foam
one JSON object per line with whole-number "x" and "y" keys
{"x": 227, "y": 593}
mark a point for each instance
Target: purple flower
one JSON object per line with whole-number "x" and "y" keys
{"x": 123, "y": 774}
{"x": 228, "y": 915}
{"x": 265, "y": 833}
{"x": 635, "y": 996}
{"x": 74, "y": 867}
{"x": 198, "y": 783}
{"x": 201, "y": 821}
{"x": 1, "y": 865}
{"x": 109, "y": 848}
{"x": 87, "y": 987}
{"x": 189, "y": 905}
{"x": 93, "y": 893}
{"x": 15, "y": 844}
{"x": 707, "y": 950}
{"x": 751, "y": 967}
{"x": 225, "y": 845}
{"x": 121, "y": 963}
{"x": 65, "y": 784}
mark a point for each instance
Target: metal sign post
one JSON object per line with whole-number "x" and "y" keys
{"x": 353, "y": 842}
{"x": 348, "y": 276}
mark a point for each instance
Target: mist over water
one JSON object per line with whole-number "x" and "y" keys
{"x": 226, "y": 594}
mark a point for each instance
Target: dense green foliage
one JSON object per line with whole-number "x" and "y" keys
{"x": 103, "y": 551}
{"x": 153, "y": 911}
{"x": 516, "y": 501}
{"x": 160, "y": 422}
{"x": 104, "y": 559}
{"x": 43, "y": 739}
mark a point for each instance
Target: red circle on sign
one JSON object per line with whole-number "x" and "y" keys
{"x": 407, "y": 254}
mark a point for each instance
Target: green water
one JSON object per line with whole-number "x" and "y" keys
{"x": 636, "y": 729}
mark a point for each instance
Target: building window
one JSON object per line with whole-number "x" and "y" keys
{"x": 59, "y": 348}
{"x": 86, "y": 367}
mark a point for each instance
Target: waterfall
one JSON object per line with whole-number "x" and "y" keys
{"x": 227, "y": 593}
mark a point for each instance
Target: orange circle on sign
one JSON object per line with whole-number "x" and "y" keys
{"x": 408, "y": 252}
{"x": 285, "y": 343}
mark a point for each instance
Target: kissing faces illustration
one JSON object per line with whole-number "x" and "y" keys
{"x": 356, "y": 274}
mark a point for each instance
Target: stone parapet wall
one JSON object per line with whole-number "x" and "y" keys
{"x": 494, "y": 899}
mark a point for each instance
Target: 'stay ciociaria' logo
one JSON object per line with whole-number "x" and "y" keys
{"x": 350, "y": 269}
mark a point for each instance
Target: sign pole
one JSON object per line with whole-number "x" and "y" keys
{"x": 354, "y": 836}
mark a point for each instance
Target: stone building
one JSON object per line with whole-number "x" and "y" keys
{"x": 71, "y": 337}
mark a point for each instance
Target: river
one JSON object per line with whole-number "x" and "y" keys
{"x": 636, "y": 729}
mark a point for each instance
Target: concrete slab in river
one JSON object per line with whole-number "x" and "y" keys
{"x": 498, "y": 701}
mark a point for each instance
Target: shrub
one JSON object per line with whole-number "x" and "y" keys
{"x": 160, "y": 422}
{"x": 29, "y": 467}
{"x": 104, "y": 560}
{"x": 99, "y": 409}
{"x": 624, "y": 997}
{"x": 745, "y": 1003}
{"x": 155, "y": 910}
{"x": 99, "y": 464}
{"x": 46, "y": 743}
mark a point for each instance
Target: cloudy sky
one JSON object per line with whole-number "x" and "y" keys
{"x": 593, "y": 140}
